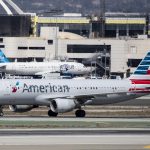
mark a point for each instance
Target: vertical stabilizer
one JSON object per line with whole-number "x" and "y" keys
{"x": 3, "y": 58}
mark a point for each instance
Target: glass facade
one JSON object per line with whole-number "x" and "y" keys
{"x": 133, "y": 62}
{"x": 124, "y": 29}
{"x": 15, "y": 26}
{"x": 88, "y": 48}
{"x": 80, "y": 29}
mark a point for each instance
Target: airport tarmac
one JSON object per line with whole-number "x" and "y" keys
{"x": 111, "y": 141}
{"x": 116, "y": 138}
{"x": 74, "y": 119}
{"x": 97, "y": 137}
{"x": 91, "y": 111}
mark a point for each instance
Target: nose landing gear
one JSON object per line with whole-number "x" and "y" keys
{"x": 1, "y": 111}
{"x": 52, "y": 114}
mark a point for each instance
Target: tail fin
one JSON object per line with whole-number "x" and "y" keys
{"x": 3, "y": 58}
{"x": 143, "y": 70}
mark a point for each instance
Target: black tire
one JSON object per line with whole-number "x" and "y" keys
{"x": 1, "y": 114}
{"x": 80, "y": 113}
{"x": 52, "y": 114}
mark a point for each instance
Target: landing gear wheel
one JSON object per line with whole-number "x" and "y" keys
{"x": 1, "y": 114}
{"x": 1, "y": 111}
{"x": 80, "y": 113}
{"x": 52, "y": 114}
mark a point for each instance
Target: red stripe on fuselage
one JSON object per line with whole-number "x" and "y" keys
{"x": 138, "y": 89}
{"x": 140, "y": 81}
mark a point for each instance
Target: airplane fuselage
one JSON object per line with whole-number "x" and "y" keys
{"x": 39, "y": 68}
{"x": 41, "y": 92}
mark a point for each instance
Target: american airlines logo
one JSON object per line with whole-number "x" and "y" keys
{"x": 15, "y": 88}
{"x": 49, "y": 88}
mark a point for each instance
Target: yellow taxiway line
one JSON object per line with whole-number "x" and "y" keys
{"x": 147, "y": 147}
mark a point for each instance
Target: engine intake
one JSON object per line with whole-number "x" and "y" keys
{"x": 63, "y": 105}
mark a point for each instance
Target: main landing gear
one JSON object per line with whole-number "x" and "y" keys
{"x": 79, "y": 113}
{"x": 52, "y": 114}
{"x": 1, "y": 111}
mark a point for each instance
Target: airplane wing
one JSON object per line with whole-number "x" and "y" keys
{"x": 80, "y": 98}
{"x": 45, "y": 72}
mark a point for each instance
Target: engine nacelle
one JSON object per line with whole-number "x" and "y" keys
{"x": 63, "y": 105}
{"x": 21, "y": 108}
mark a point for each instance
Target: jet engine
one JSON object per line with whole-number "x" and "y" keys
{"x": 21, "y": 108}
{"x": 63, "y": 105}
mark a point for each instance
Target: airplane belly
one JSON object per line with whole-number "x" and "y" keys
{"x": 10, "y": 100}
{"x": 23, "y": 72}
{"x": 114, "y": 98}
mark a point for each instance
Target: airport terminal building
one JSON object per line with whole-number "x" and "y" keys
{"x": 115, "y": 56}
{"x": 125, "y": 42}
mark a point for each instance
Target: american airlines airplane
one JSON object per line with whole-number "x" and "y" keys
{"x": 42, "y": 68}
{"x": 63, "y": 95}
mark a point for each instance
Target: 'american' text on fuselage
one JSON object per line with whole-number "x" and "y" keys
{"x": 49, "y": 88}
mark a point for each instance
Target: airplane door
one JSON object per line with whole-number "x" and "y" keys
{"x": 13, "y": 68}
{"x": 133, "y": 86}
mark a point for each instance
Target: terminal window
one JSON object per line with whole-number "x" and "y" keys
{"x": 22, "y": 48}
{"x": 37, "y": 48}
{"x": 133, "y": 62}
{"x": 133, "y": 49}
{"x": 50, "y": 42}
{"x": 2, "y": 46}
{"x": 15, "y": 25}
{"x": 88, "y": 48}
{"x": 1, "y": 40}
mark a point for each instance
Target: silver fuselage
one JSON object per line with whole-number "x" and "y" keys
{"x": 41, "y": 92}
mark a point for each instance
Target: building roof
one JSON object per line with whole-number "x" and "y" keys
{"x": 69, "y": 35}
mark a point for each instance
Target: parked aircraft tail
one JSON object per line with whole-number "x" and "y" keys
{"x": 3, "y": 58}
{"x": 142, "y": 73}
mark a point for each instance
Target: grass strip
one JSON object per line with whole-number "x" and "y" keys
{"x": 72, "y": 124}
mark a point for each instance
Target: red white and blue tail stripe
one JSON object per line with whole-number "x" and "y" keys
{"x": 141, "y": 77}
